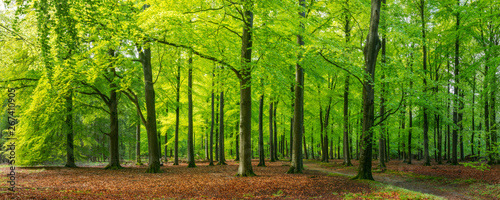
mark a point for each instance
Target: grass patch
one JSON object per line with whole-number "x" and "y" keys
{"x": 337, "y": 175}
{"x": 485, "y": 190}
{"x": 384, "y": 191}
{"x": 464, "y": 181}
{"x": 414, "y": 175}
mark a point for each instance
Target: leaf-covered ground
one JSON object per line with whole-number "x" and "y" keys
{"x": 178, "y": 182}
{"x": 203, "y": 182}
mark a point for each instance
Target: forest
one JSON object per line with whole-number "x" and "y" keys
{"x": 223, "y": 99}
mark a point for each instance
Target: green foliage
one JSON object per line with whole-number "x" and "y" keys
{"x": 481, "y": 166}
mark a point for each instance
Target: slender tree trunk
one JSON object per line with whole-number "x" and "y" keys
{"x": 275, "y": 132}
{"x": 271, "y": 138}
{"x": 262, "y": 161}
{"x": 410, "y": 124}
{"x": 403, "y": 124}
{"x": 347, "y": 156}
{"x": 312, "y": 146}
{"x": 456, "y": 119}
{"x": 222, "y": 158}
{"x": 305, "y": 146}
{"x": 427, "y": 158}
{"x": 138, "y": 141}
{"x": 217, "y": 129}
{"x": 166, "y": 140}
{"x": 211, "y": 157}
{"x": 473, "y": 115}
{"x": 461, "y": 127}
{"x": 70, "y": 156}
{"x": 177, "y": 114}
{"x": 237, "y": 143}
{"x": 190, "y": 149}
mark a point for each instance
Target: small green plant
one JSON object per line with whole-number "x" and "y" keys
{"x": 248, "y": 195}
{"x": 477, "y": 165}
{"x": 278, "y": 194}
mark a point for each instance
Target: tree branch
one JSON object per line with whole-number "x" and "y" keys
{"x": 336, "y": 65}
{"x": 97, "y": 92}
{"x": 133, "y": 97}
{"x": 96, "y": 107}
{"x": 199, "y": 54}
{"x": 389, "y": 112}
{"x": 21, "y": 79}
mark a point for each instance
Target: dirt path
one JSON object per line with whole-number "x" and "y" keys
{"x": 399, "y": 180}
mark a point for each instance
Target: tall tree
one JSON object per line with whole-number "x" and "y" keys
{"x": 427, "y": 158}
{"x": 271, "y": 137}
{"x": 298, "y": 117}
{"x": 456, "y": 91}
{"x": 245, "y": 76}
{"x": 190, "y": 112}
{"x": 177, "y": 111}
{"x": 370, "y": 52}
{"x": 262, "y": 162}
{"x": 211, "y": 156}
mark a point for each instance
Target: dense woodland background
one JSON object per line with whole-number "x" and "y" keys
{"x": 184, "y": 81}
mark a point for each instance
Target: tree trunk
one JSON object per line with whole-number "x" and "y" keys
{"x": 275, "y": 132}
{"x": 370, "y": 52}
{"x": 177, "y": 114}
{"x": 262, "y": 162}
{"x": 305, "y": 145}
{"x": 473, "y": 116}
{"x": 271, "y": 138}
{"x": 237, "y": 136}
{"x": 114, "y": 160}
{"x": 70, "y": 156}
{"x": 456, "y": 120}
{"x": 298, "y": 125}
{"x": 347, "y": 156}
{"x": 245, "y": 76}
{"x": 190, "y": 149}
{"x": 154, "y": 157}
{"x": 138, "y": 142}
{"x": 222, "y": 157}
{"x": 427, "y": 158}
{"x": 211, "y": 155}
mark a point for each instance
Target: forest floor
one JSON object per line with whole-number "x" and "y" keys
{"x": 319, "y": 181}
{"x": 447, "y": 181}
